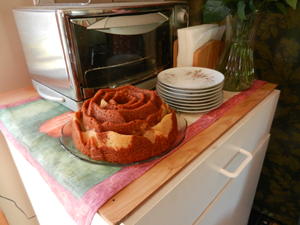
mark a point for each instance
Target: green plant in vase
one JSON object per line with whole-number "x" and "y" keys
{"x": 241, "y": 18}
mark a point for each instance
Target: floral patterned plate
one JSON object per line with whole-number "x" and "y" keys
{"x": 194, "y": 78}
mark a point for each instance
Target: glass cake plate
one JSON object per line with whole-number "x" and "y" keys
{"x": 67, "y": 144}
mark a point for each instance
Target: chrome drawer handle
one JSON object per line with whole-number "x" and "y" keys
{"x": 49, "y": 97}
{"x": 237, "y": 172}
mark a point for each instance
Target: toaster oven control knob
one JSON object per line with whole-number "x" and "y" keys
{"x": 182, "y": 16}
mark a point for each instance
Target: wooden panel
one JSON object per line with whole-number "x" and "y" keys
{"x": 175, "y": 53}
{"x": 124, "y": 202}
{"x": 208, "y": 55}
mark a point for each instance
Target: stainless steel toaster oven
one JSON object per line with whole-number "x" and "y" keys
{"x": 73, "y": 50}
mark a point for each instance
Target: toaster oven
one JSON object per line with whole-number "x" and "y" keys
{"x": 73, "y": 50}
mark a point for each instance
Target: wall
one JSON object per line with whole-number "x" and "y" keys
{"x": 13, "y": 71}
{"x": 195, "y": 11}
{"x": 277, "y": 60}
{"x": 13, "y": 75}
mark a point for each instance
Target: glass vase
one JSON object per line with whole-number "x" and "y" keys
{"x": 236, "y": 62}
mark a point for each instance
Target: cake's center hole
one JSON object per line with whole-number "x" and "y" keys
{"x": 122, "y": 99}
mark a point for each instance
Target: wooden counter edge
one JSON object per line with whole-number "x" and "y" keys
{"x": 129, "y": 198}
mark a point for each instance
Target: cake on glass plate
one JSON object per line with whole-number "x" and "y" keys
{"x": 124, "y": 125}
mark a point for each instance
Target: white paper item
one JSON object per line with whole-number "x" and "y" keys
{"x": 185, "y": 38}
{"x": 192, "y": 38}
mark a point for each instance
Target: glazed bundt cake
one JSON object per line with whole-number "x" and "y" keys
{"x": 124, "y": 125}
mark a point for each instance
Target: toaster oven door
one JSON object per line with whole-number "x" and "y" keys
{"x": 116, "y": 50}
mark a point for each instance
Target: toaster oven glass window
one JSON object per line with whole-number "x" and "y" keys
{"x": 121, "y": 49}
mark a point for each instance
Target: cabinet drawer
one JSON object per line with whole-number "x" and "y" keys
{"x": 184, "y": 198}
{"x": 233, "y": 204}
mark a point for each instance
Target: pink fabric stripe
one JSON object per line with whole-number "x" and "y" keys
{"x": 84, "y": 209}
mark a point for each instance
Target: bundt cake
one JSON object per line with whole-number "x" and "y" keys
{"x": 124, "y": 125}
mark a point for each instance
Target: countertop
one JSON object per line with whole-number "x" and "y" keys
{"x": 123, "y": 203}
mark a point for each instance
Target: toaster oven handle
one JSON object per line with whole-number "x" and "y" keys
{"x": 51, "y": 2}
{"x": 49, "y": 97}
{"x": 128, "y": 21}
{"x": 124, "y": 25}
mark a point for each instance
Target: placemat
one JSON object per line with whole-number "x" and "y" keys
{"x": 33, "y": 126}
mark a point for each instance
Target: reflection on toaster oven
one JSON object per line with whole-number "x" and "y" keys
{"x": 123, "y": 69}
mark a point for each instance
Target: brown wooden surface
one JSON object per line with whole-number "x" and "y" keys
{"x": 208, "y": 55}
{"x": 129, "y": 198}
{"x": 175, "y": 53}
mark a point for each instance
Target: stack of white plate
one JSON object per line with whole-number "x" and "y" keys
{"x": 191, "y": 89}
